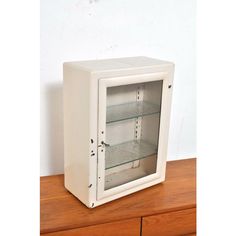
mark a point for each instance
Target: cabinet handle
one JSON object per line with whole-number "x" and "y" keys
{"x": 106, "y": 144}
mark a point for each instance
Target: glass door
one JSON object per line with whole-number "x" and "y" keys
{"x": 129, "y": 119}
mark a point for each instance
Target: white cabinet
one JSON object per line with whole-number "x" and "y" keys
{"x": 116, "y": 122}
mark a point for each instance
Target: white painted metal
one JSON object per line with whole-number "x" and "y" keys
{"x": 85, "y": 120}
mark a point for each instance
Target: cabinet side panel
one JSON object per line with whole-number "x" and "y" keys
{"x": 76, "y": 131}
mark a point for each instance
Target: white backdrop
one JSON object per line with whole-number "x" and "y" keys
{"x": 96, "y": 29}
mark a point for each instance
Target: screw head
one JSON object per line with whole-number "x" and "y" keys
{"x": 169, "y": 86}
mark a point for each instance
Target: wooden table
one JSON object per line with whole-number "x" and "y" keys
{"x": 165, "y": 209}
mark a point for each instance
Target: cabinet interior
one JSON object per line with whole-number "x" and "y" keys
{"x": 132, "y": 130}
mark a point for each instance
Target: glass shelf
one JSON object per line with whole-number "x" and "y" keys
{"x": 130, "y": 111}
{"x": 127, "y": 152}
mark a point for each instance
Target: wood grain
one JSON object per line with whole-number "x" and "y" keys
{"x": 60, "y": 210}
{"x": 52, "y": 187}
{"x": 120, "y": 228}
{"x": 170, "y": 224}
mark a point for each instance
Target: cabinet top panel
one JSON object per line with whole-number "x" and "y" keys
{"x": 117, "y": 63}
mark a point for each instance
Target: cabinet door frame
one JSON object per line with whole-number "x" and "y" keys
{"x": 163, "y": 133}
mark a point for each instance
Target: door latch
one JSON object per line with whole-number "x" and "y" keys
{"x": 106, "y": 144}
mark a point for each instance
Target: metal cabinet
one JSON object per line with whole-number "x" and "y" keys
{"x": 116, "y": 121}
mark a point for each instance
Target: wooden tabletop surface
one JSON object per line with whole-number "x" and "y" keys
{"x": 60, "y": 210}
